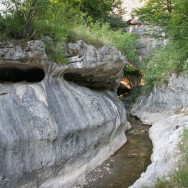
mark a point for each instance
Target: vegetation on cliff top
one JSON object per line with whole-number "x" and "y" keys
{"x": 64, "y": 21}
{"x": 93, "y": 21}
{"x": 173, "y": 15}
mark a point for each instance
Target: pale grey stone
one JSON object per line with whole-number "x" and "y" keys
{"x": 149, "y": 38}
{"x": 165, "y": 108}
{"x": 103, "y": 66}
{"x": 15, "y": 53}
{"x": 54, "y": 132}
{"x": 36, "y": 50}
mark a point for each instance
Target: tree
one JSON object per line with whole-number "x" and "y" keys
{"x": 178, "y": 25}
{"x": 173, "y": 57}
{"x": 33, "y": 18}
{"x": 21, "y": 16}
{"x": 156, "y": 11}
{"x": 99, "y": 9}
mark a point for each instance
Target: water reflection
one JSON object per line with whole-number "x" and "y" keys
{"x": 126, "y": 166}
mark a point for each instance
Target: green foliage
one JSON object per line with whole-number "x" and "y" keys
{"x": 178, "y": 25}
{"x": 185, "y": 65}
{"x": 99, "y": 34}
{"x": 12, "y": 26}
{"x": 174, "y": 57}
{"x": 130, "y": 68}
{"x": 116, "y": 21}
{"x": 55, "y": 51}
{"x": 99, "y": 9}
{"x": 62, "y": 21}
{"x": 35, "y": 18}
{"x": 161, "y": 63}
{"x": 156, "y": 11}
{"x": 125, "y": 42}
{"x": 162, "y": 184}
{"x": 20, "y": 16}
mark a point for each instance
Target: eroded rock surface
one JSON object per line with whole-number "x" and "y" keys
{"x": 53, "y": 132}
{"x": 94, "y": 68}
{"x": 149, "y": 36}
{"x": 166, "y": 108}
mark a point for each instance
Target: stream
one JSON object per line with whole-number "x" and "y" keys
{"x": 123, "y": 168}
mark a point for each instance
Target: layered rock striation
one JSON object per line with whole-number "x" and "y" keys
{"x": 58, "y": 122}
{"x": 166, "y": 109}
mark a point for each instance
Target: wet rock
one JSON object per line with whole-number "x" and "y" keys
{"x": 3, "y": 51}
{"x": 136, "y": 152}
{"x": 134, "y": 131}
{"x": 142, "y": 131}
{"x": 171, "y": 96}
{"x": 132, "y": 155}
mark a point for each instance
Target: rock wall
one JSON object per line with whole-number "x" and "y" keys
{"x": 149, "y": 36}
{"x": 171, "y": 96}
{"x": 166, "y": 108}
{"x": 54, "y": 131}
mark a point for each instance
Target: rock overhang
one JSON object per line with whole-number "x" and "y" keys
{"x": 53, "y": 126}
{"x": 16, "y": 72}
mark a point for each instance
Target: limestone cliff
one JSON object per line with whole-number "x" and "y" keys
{"x": 166, "y": 108}
{"x": 149, "y": 36}
{"x": 58, "y": 122}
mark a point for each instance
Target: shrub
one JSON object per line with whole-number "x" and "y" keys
{"x": 161, "y": 63}
{"x": 62, "y": 22}
{"x": 99, "y": 9}
{"x": 178, "y": 25}
{"x": 99, "y": 34}
{"x": 156, "y": 11}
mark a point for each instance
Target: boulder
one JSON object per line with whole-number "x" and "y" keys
{"x": 58, "y": 122}
{"x": 94, "y": 68}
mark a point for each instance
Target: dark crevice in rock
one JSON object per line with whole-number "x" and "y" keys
{"x": 19, "y": 73}
{"x": 87, "y": 81}
{"x": 122, "y": 89}
{"x": 3, "y": 94}
{"x": 130, "y": 81}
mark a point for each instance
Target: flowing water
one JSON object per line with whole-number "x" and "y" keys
{"x": 126, "y": 165}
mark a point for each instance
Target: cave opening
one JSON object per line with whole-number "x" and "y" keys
{"x": 20, "y": 73}
{"x": 130, "y": 81}
{"x": 86, "y": 81}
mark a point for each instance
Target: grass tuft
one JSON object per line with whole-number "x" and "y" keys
{"x": 180, "y": 178}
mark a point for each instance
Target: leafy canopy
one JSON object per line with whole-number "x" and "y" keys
{"x": 99, "y": 9}
{"x": 156, "y": 11}
{"x": 64, "y": 21}
{"x": 178, "y": 25}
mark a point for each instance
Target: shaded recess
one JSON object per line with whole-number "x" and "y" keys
{"x": 122, "y": 89}
{"x": 17, "y": 73}
{"x": 87, "y": 81}
{"x": 130, "y": 81}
